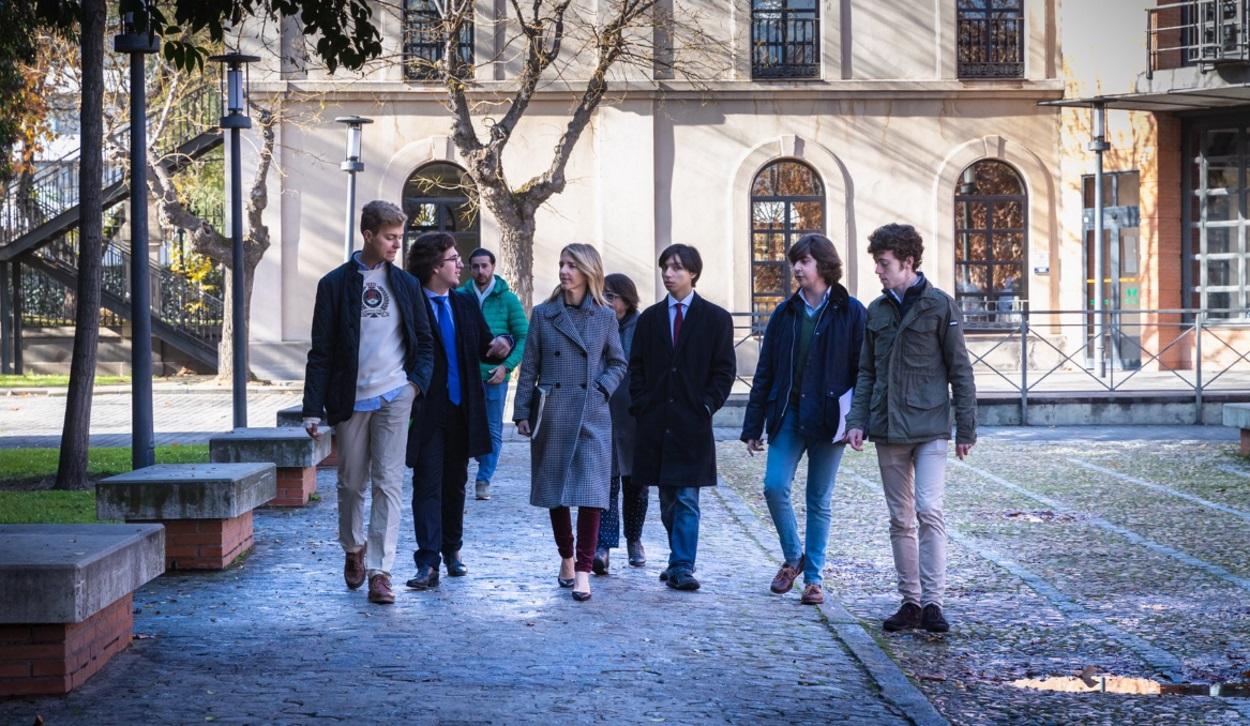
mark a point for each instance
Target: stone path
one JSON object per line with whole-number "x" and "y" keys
{"x": 279, "y": 639}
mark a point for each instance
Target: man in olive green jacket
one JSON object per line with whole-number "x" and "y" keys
{"x": 504, "y": 316}
{"x": 912, "y": 362}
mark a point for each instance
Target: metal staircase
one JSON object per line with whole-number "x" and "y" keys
{"x": 39, "y": 230}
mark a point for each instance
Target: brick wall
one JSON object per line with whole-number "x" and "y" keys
{"x": 206, "y": 544}
{"x": 295, "y": 486}
{"x": 55, "y": 659}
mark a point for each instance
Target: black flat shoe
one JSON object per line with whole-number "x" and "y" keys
{"x": 581, "y": 596}
{"x": 427, "y": 578}
{"x": 601, "y": 562}
{"x": 683, "y": 581}
{"x": 637, "y": 555}
{"x": 455, "y": 568}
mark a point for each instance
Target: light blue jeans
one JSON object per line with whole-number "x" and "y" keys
{"x": 496, "y": 395}
{"x": 823, "y": 457}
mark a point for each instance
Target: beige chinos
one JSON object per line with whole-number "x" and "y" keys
{"x": 914, "y": 479}
{"x": 371, "y": 452}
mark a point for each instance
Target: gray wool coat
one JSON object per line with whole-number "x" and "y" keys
{"x": 571, "y": 457}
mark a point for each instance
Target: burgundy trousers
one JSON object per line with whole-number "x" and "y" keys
{"x": 587, "y": 534}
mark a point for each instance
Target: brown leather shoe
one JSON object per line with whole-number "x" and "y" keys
{"x": 784, "y": 581}
{"x": 812, "y": 594}
{"x": 380, "y": 590}
{"x": 354, "y": 568}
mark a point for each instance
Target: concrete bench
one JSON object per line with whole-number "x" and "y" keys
{"x": 206, "y": 508}
{"x": 294, "y": 416}
{"x": 1237, "y": 415}
{"x": 290, "y": 449}
{"x": 66, "y": 599}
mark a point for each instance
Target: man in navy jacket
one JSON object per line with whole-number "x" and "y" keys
{"x": 807, "y": 366}
{"x": 371, "y": 357}
{"x": 451, "y": 424}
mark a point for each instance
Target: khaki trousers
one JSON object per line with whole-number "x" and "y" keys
{"x": 914, "y": 479}
{"x": 371, "y": 452}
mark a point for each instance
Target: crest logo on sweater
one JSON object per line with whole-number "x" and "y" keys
{"x": 375, "y": 303}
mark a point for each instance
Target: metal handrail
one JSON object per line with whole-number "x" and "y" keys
{"x": 1168, "y": 350}
{"x": 53, "y": 190}
{"x": 1205, "y": 33}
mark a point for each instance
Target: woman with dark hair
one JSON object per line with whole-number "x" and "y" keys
{"x": 622, "y": 295}
{"x": 573, "y": 363}
{"x": 801, "y": 393}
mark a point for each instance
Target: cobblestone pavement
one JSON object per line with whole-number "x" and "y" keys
{"x": 279, "y": 639}
{"x": 1129, "y": 558}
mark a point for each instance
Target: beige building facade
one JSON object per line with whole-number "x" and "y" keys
{"x": 856, "y": 115}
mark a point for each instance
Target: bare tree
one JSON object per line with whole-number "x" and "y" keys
{"x": 631, "y": 33}
{"x": 205, "y": 238}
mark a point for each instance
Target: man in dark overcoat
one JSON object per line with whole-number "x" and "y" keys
{"x": 449, "y": 426}
{"x": 681, "y": 368}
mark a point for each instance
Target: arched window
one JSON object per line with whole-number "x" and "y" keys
{"x": 787, "y": 202}
{"x": 991, "y": 236}
{"x": 441, "y": 196}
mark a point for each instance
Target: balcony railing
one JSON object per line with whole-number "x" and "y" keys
{"x": 990, "y": 44}
{"x": 1203, "y": 33}
{"x": 785, "y": 42}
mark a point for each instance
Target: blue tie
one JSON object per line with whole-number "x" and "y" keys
{"x": 447, "y": 331}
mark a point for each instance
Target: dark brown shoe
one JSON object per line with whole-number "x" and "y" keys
{"x": 784, "y": 581}
{"x": 907, "y": 618}
{"x": 812, "y": 594}
{"x": 380, "y": 590}
{"x": 354, "y": 568}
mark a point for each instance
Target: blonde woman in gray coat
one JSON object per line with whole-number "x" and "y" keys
{"x": 573, "y": 363}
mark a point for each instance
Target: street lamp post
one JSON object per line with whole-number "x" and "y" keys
{"x": 351, "y": 165}
{"x": 138, "y": 40}
{"x": 1099, "y": 145}
{"x": 234, "y": 117}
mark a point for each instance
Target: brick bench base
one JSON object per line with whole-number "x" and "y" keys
{"x": 332, "y": 460}
{"x": 295, "y": 486}
{"x": 54, "y": 659}
{"x": 206, "y": 544}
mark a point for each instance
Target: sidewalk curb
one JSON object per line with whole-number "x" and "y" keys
{"x": 894, "y": 684}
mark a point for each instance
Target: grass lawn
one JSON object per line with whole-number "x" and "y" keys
{"x": 24, "y": 474}
{"x": 50, "y": 381}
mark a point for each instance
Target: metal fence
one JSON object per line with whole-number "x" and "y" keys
{"x": 1197, "y": 32}
{"x": 1183, "y": 351}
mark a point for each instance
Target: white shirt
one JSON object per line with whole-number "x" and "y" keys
{"x": 672, "y": 310}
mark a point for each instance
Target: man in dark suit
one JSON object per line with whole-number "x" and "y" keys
{"x": 681, "y": 370}
{"x": 450, "y": 425}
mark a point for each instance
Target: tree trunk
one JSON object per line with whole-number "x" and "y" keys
{"x": 71, "y": 471}
{"x": 225, "y": 349}
{"x": 517, "y": 253}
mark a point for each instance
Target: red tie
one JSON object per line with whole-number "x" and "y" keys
{"x": 677, "y": 325}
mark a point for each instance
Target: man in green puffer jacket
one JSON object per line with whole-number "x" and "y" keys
{"x": 912, "y": 361}
{"x": 505, "y": 316}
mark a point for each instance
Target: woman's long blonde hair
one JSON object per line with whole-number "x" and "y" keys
{"x": 586, "y": 259}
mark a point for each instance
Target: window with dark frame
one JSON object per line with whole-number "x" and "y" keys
{"x": 785, "y": 39}
{"x": 424, "y": 42}
{"x": 440, "y": 196}
{"x": 991, "y": 239}
{"x": 787, "y": 202}
{"x": 990, "y": 38}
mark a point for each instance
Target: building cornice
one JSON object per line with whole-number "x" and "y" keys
{"x": 839, "y": 90}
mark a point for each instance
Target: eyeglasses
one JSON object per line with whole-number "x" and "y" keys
{"x": 452, "y": 259}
